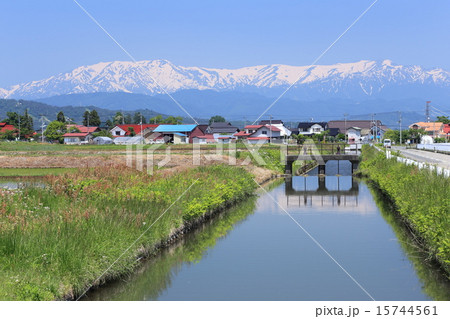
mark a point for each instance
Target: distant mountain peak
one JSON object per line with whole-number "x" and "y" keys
{"x": 364, "y": 78}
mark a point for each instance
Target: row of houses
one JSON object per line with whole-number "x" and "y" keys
{"x": 267, "y": 130}
{"x": 433, "y": 129}
{"x": 355, "y": 131}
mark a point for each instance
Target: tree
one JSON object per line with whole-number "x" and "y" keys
{"x": 128, "y": 119}
{"x": 8, "y": 135}
{"x": 103, "y": 133}
{"x": 393, "y": 135}
{"x": 91, "y": 118}
{"x": 158, "y": 119}
{"x": 86, "y": 118}
{"x": 26, "y": 125}
{"x": 118, "y": 119}
{"x": 22, "y": 122}
{"x": 216, "y": 119}
{"x": 60, "y": 117}
{"x": 300, "y": 138}
{"x": 137, "y": 118}
{"x": 443, "y": 119}
{"x": 340, "y": 137}
{"x": 94, "y": 118}
{"x": 12, "y": 119}
{"x": 174, "y": 120}
{"x": 55, "y": 130}
{"x": 109, "y": 124}
{"x": 131, "y": 130}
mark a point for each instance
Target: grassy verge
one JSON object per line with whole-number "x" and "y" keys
{"x": 269, "y": 157}
{"x": 55, "y": 242}
{"x": 421, "y": 197}
{"x": 434, "y": 280}
{"x": 26, "y": 172}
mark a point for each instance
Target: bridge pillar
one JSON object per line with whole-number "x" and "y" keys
{"x": 355, "y": 165}
{"x": 322, "y": 169}
{"x": 288, "y": 168}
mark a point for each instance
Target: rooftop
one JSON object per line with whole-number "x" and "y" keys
{"x": 136, "y": 127}
{"x": 165, "y": 128}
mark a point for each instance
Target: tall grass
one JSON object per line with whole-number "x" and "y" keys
{"x": 56, "y": 242}
{"x": 421, "y": 197}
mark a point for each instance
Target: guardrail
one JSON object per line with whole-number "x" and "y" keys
{"x": 421, "y": 165}
{"x": 321, "y": 148}
{"x": 438, "y": 147}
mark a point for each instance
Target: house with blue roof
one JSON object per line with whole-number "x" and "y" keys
{"x": 177, "y": 133}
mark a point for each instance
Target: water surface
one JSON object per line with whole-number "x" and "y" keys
{"x": 256, "y": 252}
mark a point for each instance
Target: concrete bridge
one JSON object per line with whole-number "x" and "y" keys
{"x": 321, "y": 194}
{"x": 321, "y": 160}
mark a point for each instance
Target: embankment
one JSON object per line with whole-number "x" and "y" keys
{"x": 93, "y": 225}
{"x": 421, "y": 197}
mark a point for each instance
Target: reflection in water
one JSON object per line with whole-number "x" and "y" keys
{"x": 268, "y": 257}
{"x": 20, "y": 183}
{"x": 322, "y": 190}
{"x": 434, "y": 280}
{"x": 155, "y": 276}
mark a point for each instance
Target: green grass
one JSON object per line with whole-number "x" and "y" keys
{"x": 55, "y": 242}
{"x": 25, "y": 172}
{"x": 268, "y": 157}
{"x": 421, "y": 197}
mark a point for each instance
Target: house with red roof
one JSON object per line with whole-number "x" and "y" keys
{"x": 6, "y": 127}
{"x": 203, "y": 139}
{"x": 447, "y": 131}
{"x": 128, "y": 130}
{"x": 256, "y": 134}
{"x": 79, "y": 134}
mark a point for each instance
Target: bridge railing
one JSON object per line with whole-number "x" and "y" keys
{"x": 318, "y": 148}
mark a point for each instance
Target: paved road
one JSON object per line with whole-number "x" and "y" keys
{"x": 439, "y": 159}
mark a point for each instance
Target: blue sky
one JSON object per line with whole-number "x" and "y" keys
{"x": 42, "y": 38}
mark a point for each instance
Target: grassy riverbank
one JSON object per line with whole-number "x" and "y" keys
{"x": 56, "y": 242}
{"x": 421, "y": 197}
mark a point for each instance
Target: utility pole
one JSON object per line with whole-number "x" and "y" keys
{"x": 427, "y": 111}
{"x": 142, "y": 133}
{"x": 400, "y": 124}
{"x": 42, "y": 128}
{"x": 376, "y": 128}
{"x": 345, "y": 126}
{"x": 270, "y": 130}
{"x": 19, "y": 125}
{"x": 374, "y": 124}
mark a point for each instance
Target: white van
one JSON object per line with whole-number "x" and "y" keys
{"x": 387, "y": 143}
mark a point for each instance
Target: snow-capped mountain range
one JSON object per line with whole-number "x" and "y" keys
{"x": 359, "y": 80}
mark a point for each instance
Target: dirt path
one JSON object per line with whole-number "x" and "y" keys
{"x": 175, "y": 163}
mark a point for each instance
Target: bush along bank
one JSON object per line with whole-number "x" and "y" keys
{"x": 56, "y": 242}
{"x": 421, "y": 197}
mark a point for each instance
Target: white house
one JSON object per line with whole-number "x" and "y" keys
{"x": 264, "y": 133}
{"x": 311, "y": 128}
{"x": 354, "y": 135}
{"x": 203, "y": 139}
{"x": 77, "y": 138}
{"x": 284, "y": 131}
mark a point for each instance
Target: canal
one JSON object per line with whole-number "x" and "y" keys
{"x": 255, "y": 251}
